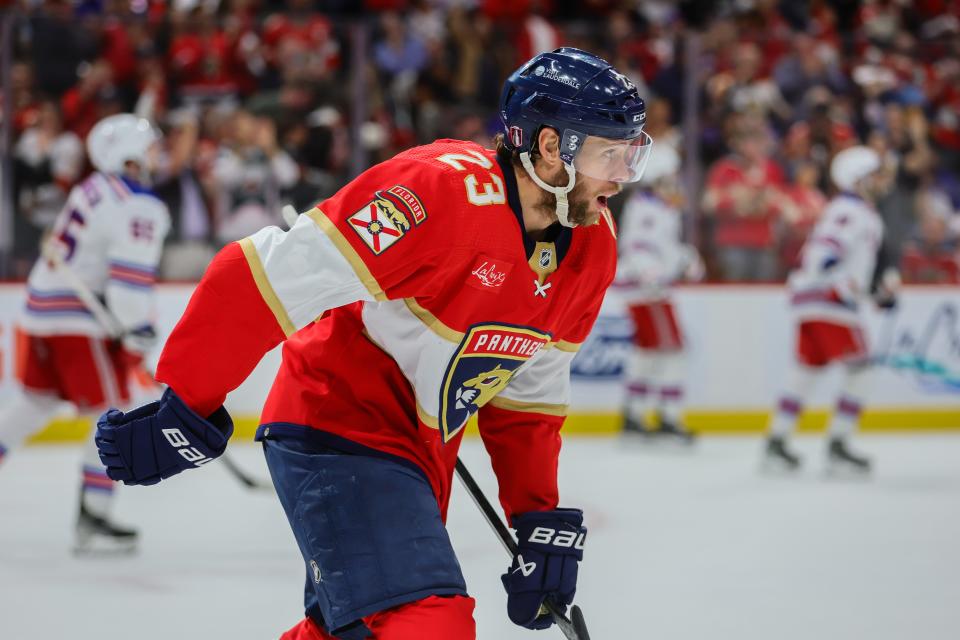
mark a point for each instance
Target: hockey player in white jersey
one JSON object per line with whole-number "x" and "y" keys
{"x": 107, "y": 240}
{"x": 652, "y": 258}
{"x": 839, "y": 270}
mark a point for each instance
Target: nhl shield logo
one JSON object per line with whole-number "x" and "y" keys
{"x": 545, "y": 259}
{"x": 481, "y": 368}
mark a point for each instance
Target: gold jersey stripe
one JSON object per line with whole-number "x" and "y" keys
{"x": 426, "y": 418}
{"x": 571, "y": 347}
{"x": 530, "y": 407}
{"x": 433, "y": 323}
{"x": 266, "y": 289}
{"x": 348, "y": 252}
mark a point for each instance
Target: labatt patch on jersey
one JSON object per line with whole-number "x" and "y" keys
{"x": 388, "y": 217}
{"x": 481, "y": 368}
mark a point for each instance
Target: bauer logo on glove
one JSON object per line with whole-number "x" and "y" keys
{"x": 159, "y": 440}
{"x": 550, "y": 548}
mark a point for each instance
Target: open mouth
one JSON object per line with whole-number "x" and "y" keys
{"x": 602, "y": 200}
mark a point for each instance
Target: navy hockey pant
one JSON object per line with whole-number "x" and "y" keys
{"x": 369, "y": 529}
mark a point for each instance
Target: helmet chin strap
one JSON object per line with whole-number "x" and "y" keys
{"x": 563, "y": 206}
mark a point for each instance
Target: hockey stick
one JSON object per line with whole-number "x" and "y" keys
{"x": 115, "y": 331}
{"x": 574, "y": 627}
{"x": 243, "y": 477}
{"x": 885, "y": 341}
{"x": 100, "y": 313}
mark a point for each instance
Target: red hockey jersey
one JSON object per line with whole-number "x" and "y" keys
{"x": 409, "y": 301}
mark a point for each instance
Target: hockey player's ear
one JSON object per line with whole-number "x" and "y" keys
{"x": 548, "y": 144}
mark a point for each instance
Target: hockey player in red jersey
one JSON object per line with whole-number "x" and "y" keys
{"x": 447, "y": 281}
{"x": 652, "y": 258}
{"x": 842, "y": 265}
{"x": 109, "y": 237}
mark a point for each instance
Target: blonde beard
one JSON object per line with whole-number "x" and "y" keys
{"x": 579, "y": 207}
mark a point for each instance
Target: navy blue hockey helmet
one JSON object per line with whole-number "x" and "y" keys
{"x": 582, "y": 97}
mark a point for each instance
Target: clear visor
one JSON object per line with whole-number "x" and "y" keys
{"x": 608, "y": 159}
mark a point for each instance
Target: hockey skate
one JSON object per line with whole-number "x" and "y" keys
{"x": 842, "y": 461}
{"x": 633, "y": 427}
{"x": 673, "y": 431}
{"x": 777, "y": 457}
{"x": 97, "y": 535}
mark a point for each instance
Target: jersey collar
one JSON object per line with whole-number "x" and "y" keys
{"x": 558, "y": 234}
{"x": 134, "y": 186}
{"x": 851, "y": 194}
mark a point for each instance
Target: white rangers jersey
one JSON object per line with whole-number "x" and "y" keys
{"x": 651, "y": 253}
{"x": 837, "y": 262}
{"x": 110, "y": 233}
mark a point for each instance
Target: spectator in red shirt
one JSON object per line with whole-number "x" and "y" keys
{"x": 313, "y": 32}
{"x": 200, "y": 55}
{"x": 931, "y": 256}
{"x": 803, "y": 205}
{"x": 744, "y": 198}
{"x": 94, "y": 97}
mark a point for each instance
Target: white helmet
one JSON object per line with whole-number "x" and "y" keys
{"x": 117, "y": 139}
{"x": 852, "y": 165}
{"x": 664, "y": 161}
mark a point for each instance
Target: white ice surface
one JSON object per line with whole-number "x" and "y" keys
{"x": 682, "y": 546}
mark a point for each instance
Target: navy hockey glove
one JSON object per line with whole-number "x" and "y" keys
{"x": 550, "y": 548}
{"x": 159, "y": 440}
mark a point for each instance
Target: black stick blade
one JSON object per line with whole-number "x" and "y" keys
{"x": 579, "y": 624}
{"x": 570, "y": 628}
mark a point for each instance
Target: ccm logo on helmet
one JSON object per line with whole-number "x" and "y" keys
{"x": 177, "y": 440}
{"x": 564, "y": 539}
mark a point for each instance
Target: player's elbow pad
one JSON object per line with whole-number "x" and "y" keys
{"x": 158, "y": 440}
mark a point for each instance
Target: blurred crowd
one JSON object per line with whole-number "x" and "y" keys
{"x": 264, "y": 102}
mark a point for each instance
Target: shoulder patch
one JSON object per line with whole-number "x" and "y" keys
{"x": 388, "y": 217}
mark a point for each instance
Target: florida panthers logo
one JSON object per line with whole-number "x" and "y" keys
{"x": 482, "y": 367}
{"x": 478, "y": 391}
